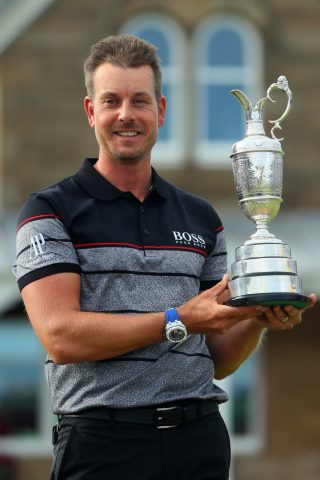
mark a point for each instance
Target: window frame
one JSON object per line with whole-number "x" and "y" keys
{"x": 215, "y": 154}
{"x": 254, "y": 441}
{"x": 39, "y": 444}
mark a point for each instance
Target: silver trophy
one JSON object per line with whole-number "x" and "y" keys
{"x": 263, "y": 272}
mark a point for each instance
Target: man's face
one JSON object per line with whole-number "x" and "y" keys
{"x": 125, "y": 112}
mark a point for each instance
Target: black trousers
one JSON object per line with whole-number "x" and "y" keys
{"x": 91, "y": 449}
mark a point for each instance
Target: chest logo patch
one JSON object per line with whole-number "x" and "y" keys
{"x": 186, "y": 238}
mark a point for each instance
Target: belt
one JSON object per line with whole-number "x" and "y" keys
{"x": 165, "y": 416}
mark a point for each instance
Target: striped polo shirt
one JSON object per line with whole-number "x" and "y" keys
{"x": 133, "y": 257}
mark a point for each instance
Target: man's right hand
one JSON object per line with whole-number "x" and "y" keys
{"x": 205, "y": 313}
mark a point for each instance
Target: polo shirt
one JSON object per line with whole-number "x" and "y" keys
{"x": 133, "y": 257}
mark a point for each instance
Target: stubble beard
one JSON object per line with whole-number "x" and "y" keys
{"x": 128, "y": 158}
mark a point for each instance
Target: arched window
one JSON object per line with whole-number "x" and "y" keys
{"x": 170, "y": 41}
{"x": 227, "y": 54}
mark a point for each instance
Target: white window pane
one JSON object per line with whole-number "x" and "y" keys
{"x": 158, "y": 38}
{"x": 224, "y": 118}
{"x": 227, "y": 55}
{"x": 225, "y": 48}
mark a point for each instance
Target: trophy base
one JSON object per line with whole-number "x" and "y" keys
{"x": 269, "y": 299}
{"x": 265, "y": 274}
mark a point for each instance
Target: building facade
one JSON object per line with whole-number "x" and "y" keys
{"x": 207, "y": 48}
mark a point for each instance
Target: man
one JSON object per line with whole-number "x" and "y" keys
{"x": 110, "y": 263}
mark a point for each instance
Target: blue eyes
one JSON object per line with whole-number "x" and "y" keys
{"x": 113, "y": 102}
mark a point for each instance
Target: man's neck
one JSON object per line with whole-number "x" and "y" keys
{"x": 134, "y": 178}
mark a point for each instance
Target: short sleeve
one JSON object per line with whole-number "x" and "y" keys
{"x": 216, "y": 264}
{"x": 43, "y": 243}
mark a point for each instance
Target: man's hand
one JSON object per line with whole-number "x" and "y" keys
{"x": 242, "y": 327}
{"x": 205, "y": 313}
{"x": 284, "y": 318}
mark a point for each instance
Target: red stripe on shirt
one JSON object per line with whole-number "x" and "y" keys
{"x": 36, "y": 217}
{"x": 139, "y": 247}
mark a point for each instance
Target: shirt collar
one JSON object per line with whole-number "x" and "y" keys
{"x": 97, "y": 186}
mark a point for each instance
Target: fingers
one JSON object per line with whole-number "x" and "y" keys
{"x": 243, "y": 312}
{"x": 218, "y": 292}
{"x": 313, "y": 300}
{"x": 221, "y": 286}
{"x": 283, "y": 318}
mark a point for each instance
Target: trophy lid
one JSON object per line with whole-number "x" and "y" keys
{"x": 256, "y": 139}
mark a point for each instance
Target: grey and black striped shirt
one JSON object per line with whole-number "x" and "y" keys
{"x": 133, "y": 258}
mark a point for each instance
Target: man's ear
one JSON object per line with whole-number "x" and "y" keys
{"x": 88, "y": 106}
{"x": 161, "y": 110}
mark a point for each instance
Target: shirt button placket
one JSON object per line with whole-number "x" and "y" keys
{"x": 144, "y": 226}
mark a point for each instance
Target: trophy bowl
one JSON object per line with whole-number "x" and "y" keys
{"x": 261, "y": 209}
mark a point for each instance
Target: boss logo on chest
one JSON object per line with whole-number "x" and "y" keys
{"x": 187, "y": 238}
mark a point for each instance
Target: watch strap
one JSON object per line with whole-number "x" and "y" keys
{"x": 171, "y": 315}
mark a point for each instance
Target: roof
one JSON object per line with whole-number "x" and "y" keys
{"x": 16, "y": 16}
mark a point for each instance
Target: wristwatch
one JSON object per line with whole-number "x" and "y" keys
{"x": 175, "y": 330}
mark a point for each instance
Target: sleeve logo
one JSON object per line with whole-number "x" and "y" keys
{"x": 36, "y": 244}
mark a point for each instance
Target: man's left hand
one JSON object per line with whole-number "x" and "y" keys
{"x": 284, "y": 317}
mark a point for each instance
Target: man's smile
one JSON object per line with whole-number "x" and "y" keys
{"x": 127, "y": 133}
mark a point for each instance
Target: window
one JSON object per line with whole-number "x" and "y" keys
{"x": 202, "y": 117}
{"x": 169, "y": 39}
{"x": 25, "y": 421}
{"x": 227, "y": 55}
{"x": 243, "y": 413}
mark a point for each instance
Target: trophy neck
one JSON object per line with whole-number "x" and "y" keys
{"x": 254, "y": 127}
{"x": 262, "y": 234}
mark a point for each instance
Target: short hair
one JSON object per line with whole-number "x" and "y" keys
{"x": 126, "y": 51}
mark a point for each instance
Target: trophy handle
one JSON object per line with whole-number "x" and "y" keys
{"x": 255, "y": 113}
{"x": 281, "y": 84}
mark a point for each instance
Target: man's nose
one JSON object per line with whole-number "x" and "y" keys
{"x": 126, "y": 113}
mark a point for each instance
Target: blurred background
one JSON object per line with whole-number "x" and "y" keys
{"x": 207, "y": 48}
